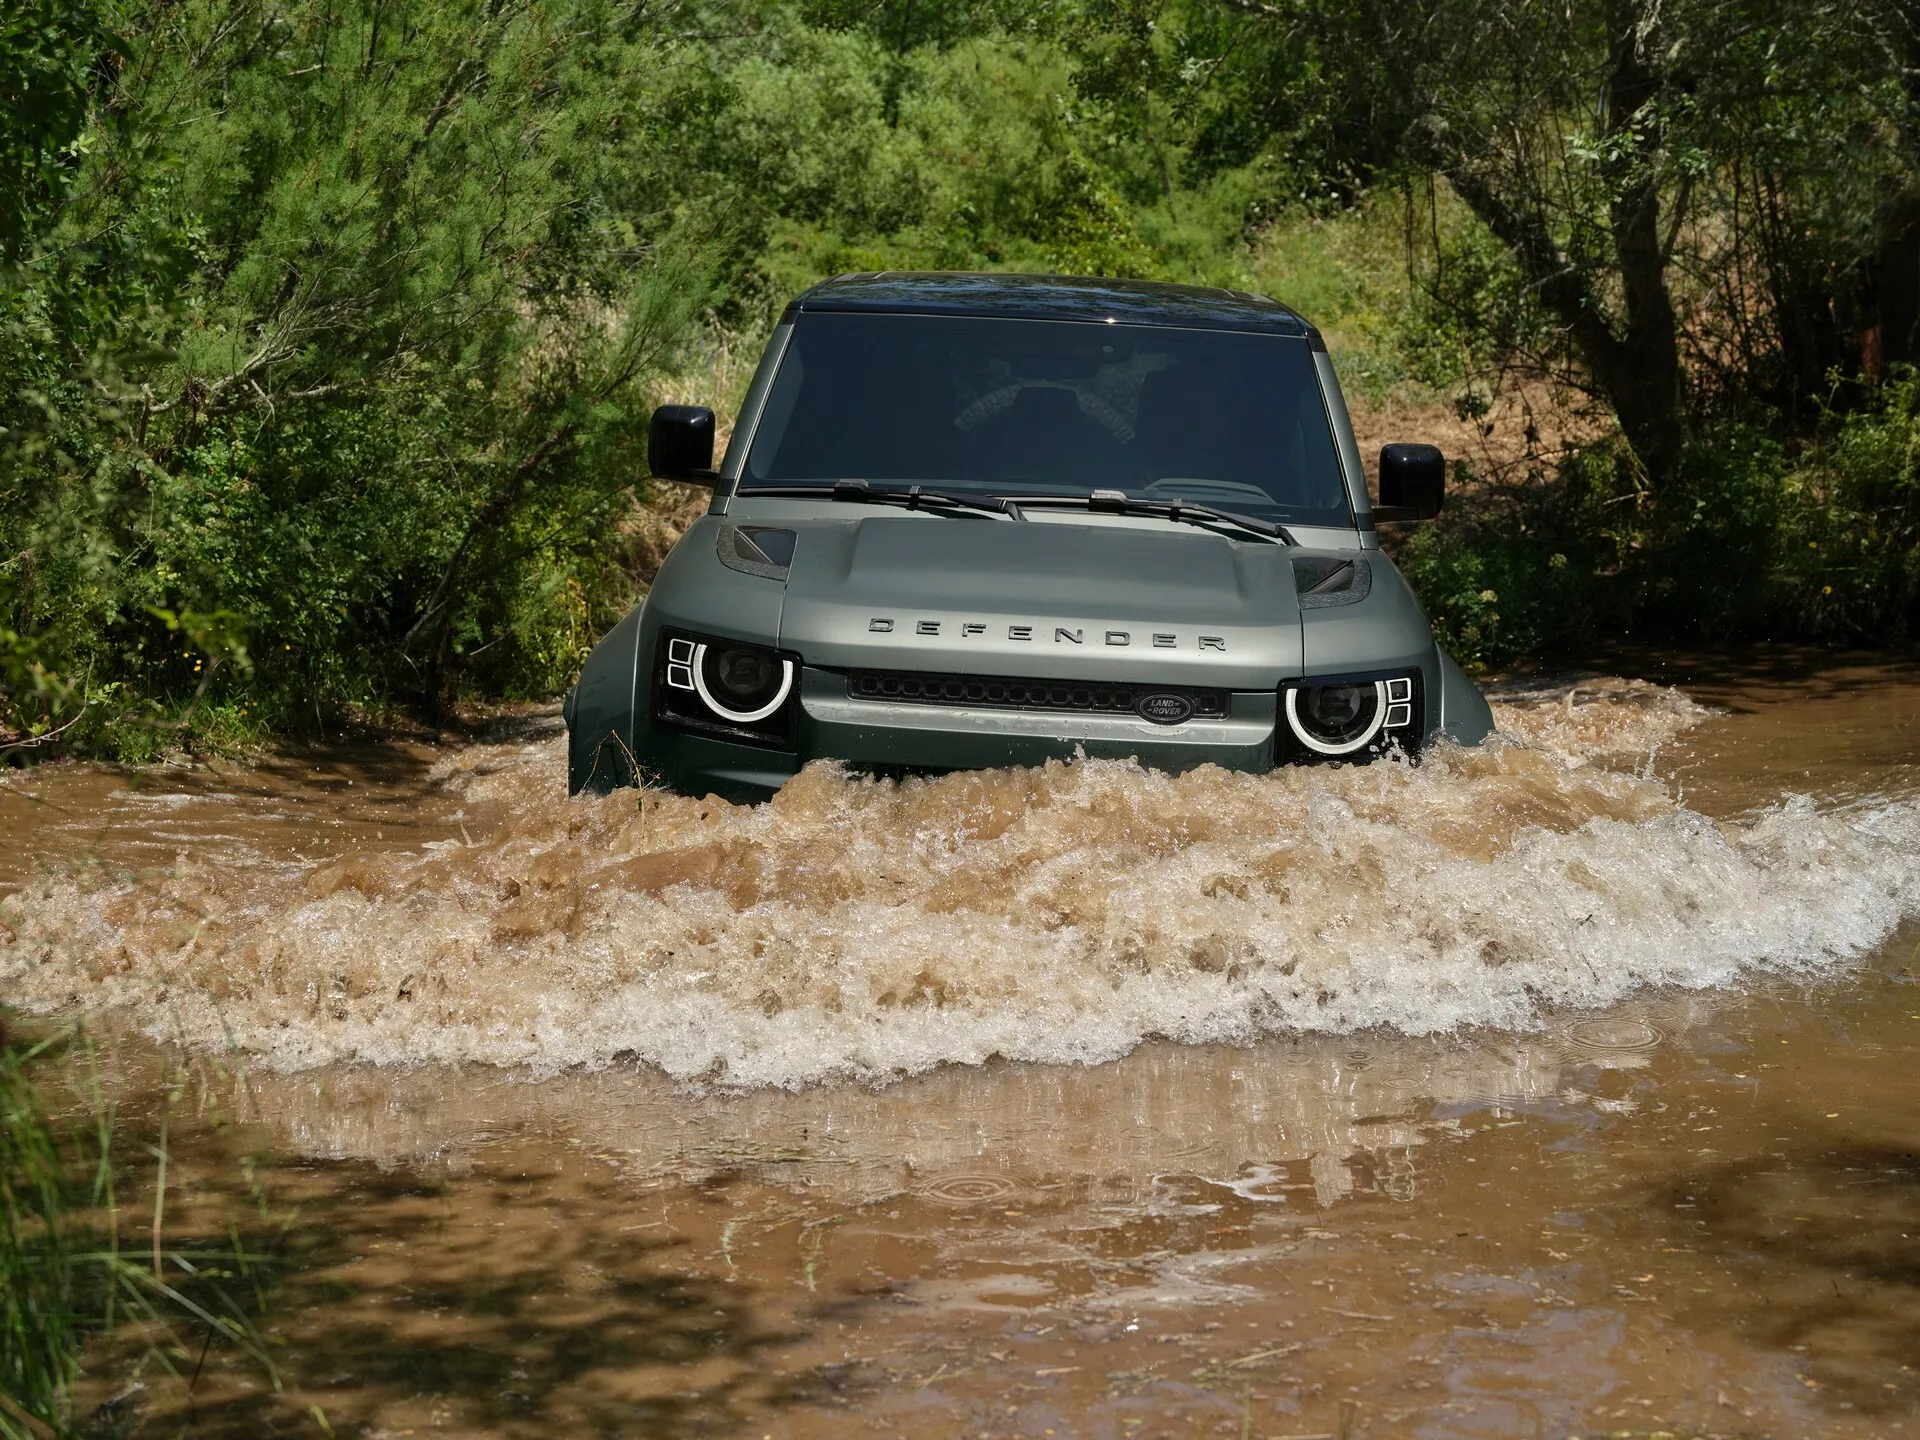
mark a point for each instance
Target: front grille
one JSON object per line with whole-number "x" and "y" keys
{"x": 994, "y": 692}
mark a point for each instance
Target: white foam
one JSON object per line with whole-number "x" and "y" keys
{"x": 868, "y": 930}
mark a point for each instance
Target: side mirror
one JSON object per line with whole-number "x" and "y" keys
{"x": 680, "y": 444}
{"x": 1413, "y": 482}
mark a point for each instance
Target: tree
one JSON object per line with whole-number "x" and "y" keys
{"x": 1701, "y": 199}
{"x": 331, "y": 292}
{"x": 49, "y": 51}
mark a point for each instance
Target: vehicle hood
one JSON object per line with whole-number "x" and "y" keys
{"x": 1042, "y": 599}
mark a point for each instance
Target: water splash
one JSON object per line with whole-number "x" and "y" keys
{"x": 862, "y": 929}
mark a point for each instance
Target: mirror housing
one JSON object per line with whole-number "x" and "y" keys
{"x": 680, "y": 444}
{"x": 1413, "y": 482}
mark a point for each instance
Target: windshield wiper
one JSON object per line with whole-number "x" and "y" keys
{"x": 1181, "y": 511}
{"x": 914, "y": 497}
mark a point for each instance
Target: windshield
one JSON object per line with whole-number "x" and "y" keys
{"x": 1048, "y": 407}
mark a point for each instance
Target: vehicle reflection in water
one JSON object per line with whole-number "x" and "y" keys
{"x": 1689, "y": 1211}
{"x": 1001, "y": 1129}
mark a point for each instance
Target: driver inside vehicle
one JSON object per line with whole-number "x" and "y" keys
{"x": 1041, "y": 436}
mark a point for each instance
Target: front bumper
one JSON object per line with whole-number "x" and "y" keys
{"x": 878, "y": 735}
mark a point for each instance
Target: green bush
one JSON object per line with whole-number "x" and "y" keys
{"x": 330, "y": 399}
{"x": 1849, "y": 561}
{"x": 39, "y": 1325}
{"x": 1505, "y": 577}
{"x": 1744, "y": 542}
{"x": 1707, "y": 550}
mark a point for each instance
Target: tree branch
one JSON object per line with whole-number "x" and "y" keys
{"x": 487, "y": 517}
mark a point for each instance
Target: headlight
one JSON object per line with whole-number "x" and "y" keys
{"x": 1345, "y": 716}
{"x": 739, "y": 683}
{"x": 726, "y": 686}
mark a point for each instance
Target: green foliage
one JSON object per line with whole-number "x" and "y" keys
{"x": 38, "y": 1324}
{"x": 1488, "y": 595}
{"x": 1472, "y": 310}
{"x": 973, "y": 160}
{"x": 1747, "y": 541}
{"x": 328, "y": 331}
{"x": 63, "y": 1275}
{"x": 344, "y": 338}
{"x": 1713, "y": 536}
{"x": 47, "y": 50}
{"x": 1849, "y": 559}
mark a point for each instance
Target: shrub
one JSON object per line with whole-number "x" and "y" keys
{"x": 1745, "y": 541}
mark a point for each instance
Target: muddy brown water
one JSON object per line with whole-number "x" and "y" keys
{"x": 1561, "y": 1089}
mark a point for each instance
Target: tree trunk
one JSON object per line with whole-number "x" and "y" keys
{"x": 439, "y": 608}
{"x": 1635, "y": 368}
{"x": 1638, "y": 373}
{"x": 1643, "y": 370}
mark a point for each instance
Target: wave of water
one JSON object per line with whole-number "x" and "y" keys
{"x": 862, "y": 929}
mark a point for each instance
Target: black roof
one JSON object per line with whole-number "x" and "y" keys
{"x": 1051, "y": 297}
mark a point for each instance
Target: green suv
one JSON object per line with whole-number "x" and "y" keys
{"x": 981, "y": 520}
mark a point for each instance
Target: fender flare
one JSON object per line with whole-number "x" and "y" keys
{"x": 599, "y": 711}
{"x": 1465, "y": 716}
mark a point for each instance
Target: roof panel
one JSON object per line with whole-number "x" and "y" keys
{"x": 1051, "y": 297}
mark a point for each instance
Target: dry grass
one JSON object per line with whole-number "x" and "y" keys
{"x": 1528, "y": 426}
{"x": 656, "y": 525}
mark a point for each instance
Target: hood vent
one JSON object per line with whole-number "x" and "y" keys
{"x": 756, "y": 550}
{"x": 1326, "y": 580}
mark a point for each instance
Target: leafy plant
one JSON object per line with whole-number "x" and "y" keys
{"x": 63, "y": 1273}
